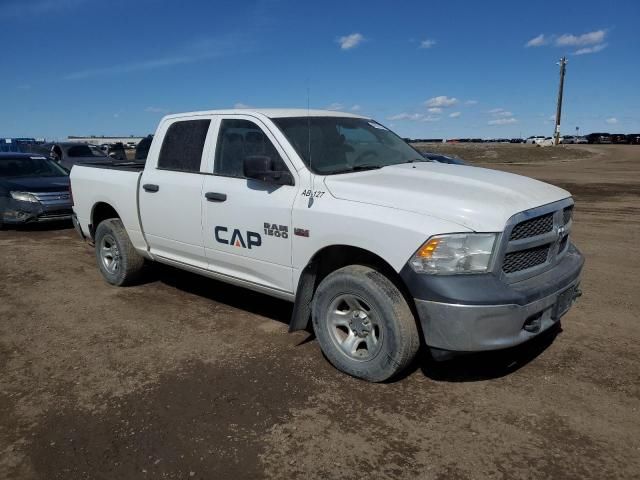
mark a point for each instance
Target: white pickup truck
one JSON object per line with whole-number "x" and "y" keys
{"x": 380, "y": 249}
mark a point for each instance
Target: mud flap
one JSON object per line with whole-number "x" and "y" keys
{"x": 304, "y": 295}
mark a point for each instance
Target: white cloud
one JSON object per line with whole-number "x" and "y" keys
{"x": 335, "y": 106}
{"x": 355, "y": 108}
{"x": 500, "y": 112}
{"x": 427, "y": 43}
{"x": 502, "y": 121}
{"x": 350, "y": 41}
{"x": 434, "y": 110}
{"x": 612, "y": 120}
{"x": 441, "y": 101}
{"x": 455, "y": 114}
{"x": 430, "y": 118}
{"x": 241, "y": 105}
{"x": 471, "y": 102}
{"x": 155, "y": 110}
{"x": 407, "y": 116}
{"x": 594, "y": 49}
{"x": 591, "y": 38}
{"x": 116, "y": 115}
{"x": 537, "y": 41}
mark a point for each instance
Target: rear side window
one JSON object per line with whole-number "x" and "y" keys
{"x": 239, "y": 139}
{"x": 183, "y": 144}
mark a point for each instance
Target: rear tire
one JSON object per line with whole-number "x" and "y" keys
{"x": 363, "y": 324}
{"x": 117, "y": 259}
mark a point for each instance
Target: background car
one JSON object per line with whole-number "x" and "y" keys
{"x": 33, "y": 188}
{"x": 534, "y": 140}
{"x": 117, "y": 151}
{"x": 142, "y": 149}
{"x": 68, "y": 154}
{"x": 599, "y": 137}
{"x": 582, "y": 140}
{"x": 634, "y": 138}
{"x": 565, "y": 139}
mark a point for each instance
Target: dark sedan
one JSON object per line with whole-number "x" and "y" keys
{"x": 33, "y": 188}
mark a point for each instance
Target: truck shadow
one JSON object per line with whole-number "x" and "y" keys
{"x": 466, "y": 368}
{"x": 39, "y": 227}
{"x": 487, "y": 365}
{"x": 220, "y": 292}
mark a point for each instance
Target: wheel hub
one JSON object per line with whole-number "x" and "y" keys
{"x": 360, "y": 324}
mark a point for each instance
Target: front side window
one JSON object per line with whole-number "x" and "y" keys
{"x": 183, "y": 145}
{"x": 331, "y": 145}
{"x": 239, "y": 139}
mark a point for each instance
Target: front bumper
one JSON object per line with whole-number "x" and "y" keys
{"x": 16, "y": 212}
{"x": 484, "y": 313}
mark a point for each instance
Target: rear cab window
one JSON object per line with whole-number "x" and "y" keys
{"x": 183, "y": 145}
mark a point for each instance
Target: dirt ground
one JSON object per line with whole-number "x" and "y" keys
{"x": 187, "y": 378}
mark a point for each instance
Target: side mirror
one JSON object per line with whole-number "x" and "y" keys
{"x": 260, "y": 167}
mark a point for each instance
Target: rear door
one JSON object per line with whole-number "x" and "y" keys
{"x": 170, "y": 194}
{"x": 247, "y": 223}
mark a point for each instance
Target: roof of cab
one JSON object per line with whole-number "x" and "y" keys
{"x": 270, "y": 113}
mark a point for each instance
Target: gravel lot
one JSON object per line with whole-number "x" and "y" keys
{"x": 184, "y": 377}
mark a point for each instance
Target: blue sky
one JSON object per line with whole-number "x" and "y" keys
{"x": 427, "y": 69}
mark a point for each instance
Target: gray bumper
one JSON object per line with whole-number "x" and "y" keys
{"x": 471, "y": 328}
{"x": 482, "y": 312}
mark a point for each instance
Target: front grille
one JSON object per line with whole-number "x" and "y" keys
{"x": 524, "y": 259}
{"x": 532, "y": 228}
{"x": 567, "y": 214}
{"x": 53, "y": 198}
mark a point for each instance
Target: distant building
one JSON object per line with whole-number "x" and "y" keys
{"x": 99, "y": 140}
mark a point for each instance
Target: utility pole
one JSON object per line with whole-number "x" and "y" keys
{"x": 563, "y": 67}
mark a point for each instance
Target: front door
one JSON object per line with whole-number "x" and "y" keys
{"x": 247, "y": 223}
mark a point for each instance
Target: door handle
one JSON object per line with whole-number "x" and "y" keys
{"x": 215, "y": 197}
{"x": 150, "y": 187}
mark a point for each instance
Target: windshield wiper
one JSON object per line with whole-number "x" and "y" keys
{"x": 356, "y": 168}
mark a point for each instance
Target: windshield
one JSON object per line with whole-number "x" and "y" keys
{"x": 30, "y": 167}
{"x": 330, "y": 145}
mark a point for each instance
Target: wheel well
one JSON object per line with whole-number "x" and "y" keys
{"x": 101, "y": 211}
{"x": 330, "y": 259}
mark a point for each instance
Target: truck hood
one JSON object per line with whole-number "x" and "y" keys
{"x": 479, "y": 199}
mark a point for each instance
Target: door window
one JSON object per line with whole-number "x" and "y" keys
{"x": 183, "y": 145}
{"x": 239, "y": 139}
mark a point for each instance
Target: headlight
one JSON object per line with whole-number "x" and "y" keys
{"x": 455, "y": 253}
{"x": 24, "y": 197}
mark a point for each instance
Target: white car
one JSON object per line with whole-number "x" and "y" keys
{"x": 568, "y": 139}
{"x": 535, "y": 140}
{"x": 375, "y": 245}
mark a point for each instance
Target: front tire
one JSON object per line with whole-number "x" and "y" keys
{"x": 363, "y": 324}
{"x": 117, "y": 258}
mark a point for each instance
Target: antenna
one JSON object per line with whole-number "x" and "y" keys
{"x": 313, "y": 175}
